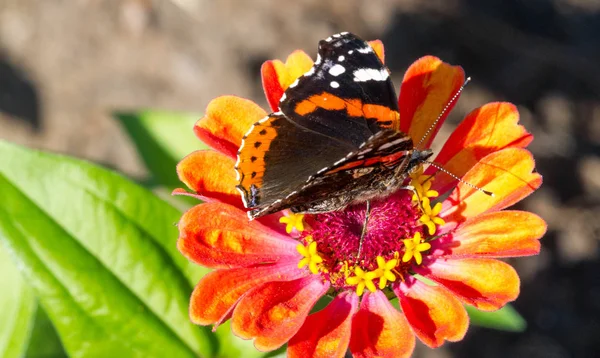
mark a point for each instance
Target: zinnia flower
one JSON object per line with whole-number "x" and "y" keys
{"x": 433, "y": 255}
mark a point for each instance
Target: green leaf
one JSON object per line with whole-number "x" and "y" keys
{"x": 162, "y": 139}
{"x": 25, "y": 329}
{"x": 505, "y": 319}
{"x": 232, "y": 346}
{"x": 18, "y": 309}
{"x": 44, "y": 341}
{"x": 101, "y": 254}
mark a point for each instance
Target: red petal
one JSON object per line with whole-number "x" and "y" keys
{"x": 275, "y": 311}
{"x": 226, "y": 121}
{"x": 277, "y": 76}
{"x": 485, "y": 130}
{"x": 326, "y": 333}
{"x": 270, "y": 82}
{"x": 380, "y": 330}
{"x": 218, "y": 292}
{"x": 507, "y": 174}
{"x": 428, "y": 86}
{"x": 484, "y": 283}
{"x": 434, "y": 314}
{"x": 218, "y": 235}
{"x": 497, "y": 234}
{"x": 210, "y": 174}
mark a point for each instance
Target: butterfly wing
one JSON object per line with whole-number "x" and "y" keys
{"x": 277, "y": 156}
{"x": 378, "y": 167}
{"x": 347, "y": 94}
{"x": 334, "y": 109}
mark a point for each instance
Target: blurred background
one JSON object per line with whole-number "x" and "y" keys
{"x": 65, "y": 65}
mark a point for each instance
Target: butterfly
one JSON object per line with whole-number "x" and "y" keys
{"x": 335, "y": 140}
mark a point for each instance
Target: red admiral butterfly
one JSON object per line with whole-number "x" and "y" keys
{"x": 334, "y": 142}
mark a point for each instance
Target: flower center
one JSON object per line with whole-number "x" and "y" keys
{"x": 336, "y": 246}
{"x": 338, "y": 235}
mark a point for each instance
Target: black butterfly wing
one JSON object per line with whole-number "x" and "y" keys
{"x": 378, "y": 165}
{"x": 347, "y": 94}
{"x": 277, "y": 156}
{"x": 332, "y": 110}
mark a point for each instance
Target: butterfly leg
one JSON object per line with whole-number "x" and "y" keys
{"x": 363, "y": 233}
{"x": 414, "y": 191}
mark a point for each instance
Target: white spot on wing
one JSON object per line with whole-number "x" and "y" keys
{"x": 334, "y": 84}
{"x": 329, "y": 39}
{"x": 340, "y": 161}
{"x": 366, "y": 49}
{"x": 350, "y": 52}
{"x": 310, "y": 72}
{"x": 282, "y": 98}
{"x": 370, "y": 74}
{"x": 341, "y": 58}
{"x": 392, "y": 143}
{"x": 290, "y": 194}
{"x": 243, "y": 196}
{"x": 344, "y": 33}
{"x": 337, "y": 36}
{"x": 337, "y": 70}
{"x": 318, "y": 61}
{"x": 294, "y": 84}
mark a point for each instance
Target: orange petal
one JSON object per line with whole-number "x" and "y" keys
{"x": 326, "y": 333}
{"x": 218, "y": 292}
{"x": 210, "y": 174}
{"x": 487, "y": 284}
{"x": 277, "y": 76}
{"x": 380, "y": 330}
{"x": 485, "y": 130}
{"x": 377, "y": 46}
{"x": 434, "y": 314}
{"x": 497, "y": 234}
{"x": 225, "y": 122}
{"x": 218, "y": 235}
{"x": 428, "y": 86}
{"x": 507, "y": 173}
{"x": 275, "y": 311}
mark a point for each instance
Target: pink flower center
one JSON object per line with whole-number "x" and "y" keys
{"x": 338, "y": 236}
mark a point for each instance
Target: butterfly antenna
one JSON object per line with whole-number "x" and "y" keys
{"x": 450, "y": 103}
{"x": 364, "y": 228}
{"x": 486, "y": 192}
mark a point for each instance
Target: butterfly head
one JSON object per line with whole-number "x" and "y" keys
{"x": 417, "y": 158}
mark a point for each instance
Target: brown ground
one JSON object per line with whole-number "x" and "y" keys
{"x": 64, "y": 64}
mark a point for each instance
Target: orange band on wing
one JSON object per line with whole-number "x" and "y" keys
{"x": 385, "y": 117}
{"x": 251, "y": 163}
{"x": 386, "y": 160}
